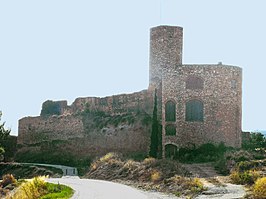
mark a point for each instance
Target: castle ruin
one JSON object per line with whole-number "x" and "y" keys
{"x": 197, "y": 104}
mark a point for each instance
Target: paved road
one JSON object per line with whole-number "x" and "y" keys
{"x": 98, "y": 189}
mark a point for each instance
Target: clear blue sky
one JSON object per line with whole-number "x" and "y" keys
{"x": 62, "y": 49}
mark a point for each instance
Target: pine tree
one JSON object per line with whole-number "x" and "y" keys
{"x": 154, "y": 132}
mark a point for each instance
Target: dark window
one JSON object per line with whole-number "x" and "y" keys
{"x": 170, "y": 151}
{"x": 233, "y": 84}
{"x": 170, "y": 111}
{"x": 194, "y": 83}
{"x": 194, "y": 110}
{"x": 170, "y": 130}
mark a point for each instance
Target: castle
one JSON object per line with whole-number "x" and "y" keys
{"x": 197, "y": 104}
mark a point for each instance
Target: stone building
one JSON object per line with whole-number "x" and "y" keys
{"x": 196, "y": 104}
{"x": 199, "y": 103}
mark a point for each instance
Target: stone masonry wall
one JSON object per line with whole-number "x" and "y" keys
{"x": 93, "y": 126}
{"x": 166, "y": 46}
{"x": 221, "y": 96}
{"x": 34, "y": 130}
{"x": 166, "y": 43}
{"x": 69, "y": 134}
{"x": 116, "y": 104}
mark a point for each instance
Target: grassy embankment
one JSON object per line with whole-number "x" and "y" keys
{"x": 149, "y": 174}
{"x": 32, "y": 189}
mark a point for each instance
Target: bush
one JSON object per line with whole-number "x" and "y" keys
{"x": 7, "y": 179}
{"x": 257, "y": 140}
{"x": 204, "y": 153}
{"x": 221, "y": 166}
{"x": 156, "y": 176}
{"x": 259, "y": 189}
{"x": 246, "y": 177}
{"x": 185, "y": 186}
{"x": 31, "y": 189}
{"x": 239, "y": 156}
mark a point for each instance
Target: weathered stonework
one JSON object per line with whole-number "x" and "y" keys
{"x": 206, "y": 100}
{"x": 221, "y": 104}
{"x": 217, "y": 89}
{"x": 91, "y": 126}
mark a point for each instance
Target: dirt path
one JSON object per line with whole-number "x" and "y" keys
{"x": 216, "y": 187}
{"x": 203, "y": 170}
{"x": 222, "y": 190}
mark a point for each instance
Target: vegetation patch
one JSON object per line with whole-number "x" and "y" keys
{"x": 203, "y": 153}
{"x": 7, "y": 184}
{"x": 161, "y": 175}
{"x": 53, "y": 155}
{"x": 57, "y": 191}
{"x": 38, "y": 188}
{"x": 99, "y": 119}
{"x": 259, "y": 189}
{"x": 28, "y": 171}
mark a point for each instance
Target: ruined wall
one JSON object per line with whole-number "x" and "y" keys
{"x": 220, "y": 94}
{"x": 116, "y": 104}
{"x": 34, "y": 130}
{"x": 72, "y": 135}
{"x": 92, "y": 126}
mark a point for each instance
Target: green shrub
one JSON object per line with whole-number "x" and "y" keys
{"x": 204, "y": 153}
{"x": 257, "y": 140}
{"x": 246, "y": 177}
{"x": 221, "y": 166}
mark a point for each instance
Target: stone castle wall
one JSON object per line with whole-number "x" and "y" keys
{"x": 93, "y": 126}
{"x": 220, "y": 94}
{"x": 115, "y": 104}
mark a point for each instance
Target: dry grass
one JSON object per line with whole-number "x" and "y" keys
{"x": 156, "y": 176}
{"x": 30, "y": 189}
{"x": 38, "y": 188}
{"x": 259, "y": 189}
{"x": 161, "y": 175}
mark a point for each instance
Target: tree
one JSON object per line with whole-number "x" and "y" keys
{"x": 155, "y": 130}
{"x": 4, "y": 134}
{"x": 257, "y": 140}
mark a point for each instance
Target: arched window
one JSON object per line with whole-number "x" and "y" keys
{"x": 194, "y": 110}
{"x": 194, "y": 82}
{"x": 170, "y": 111}
{"x": 170, "y": 129}
{"x": 170, "y": 151}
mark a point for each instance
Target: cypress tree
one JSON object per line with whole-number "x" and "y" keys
{"x": 155, "y": 130}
